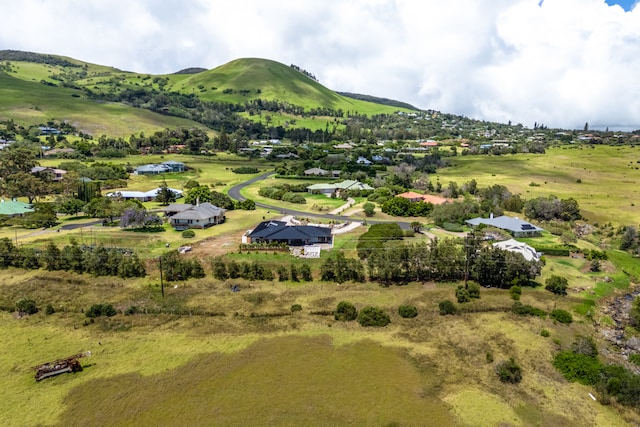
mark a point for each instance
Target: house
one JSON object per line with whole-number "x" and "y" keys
{"x": 142, "y": 196}
{"x": 363, "y": 161}
{"x": 316, "y": 172}
{"x": 292, "y": 235}
{"x": 515, "y": 226}
{"x": 345, "y": 146}
{"x": 525, "y": 250}
{"x": 427, "y": 198}
{"x": 151, "y": 169}
{"x": 337, "y": 187}
{"x": 58, "y": 151}
{"x": 56, "y": 174}
{"x": 14, "y": 208}
{"x": 174, "y": 166}
{"x": 429, "y": 143}
{"x": 46, "y": 130}
{"x": 203, "y": 215}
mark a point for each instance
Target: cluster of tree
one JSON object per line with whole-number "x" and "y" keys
{"x": 285, "y": 192}
{"x": 174, "y": 268}
{"x": 400, "y": 206}
{"x": 140, "y": 218}
{"x": 96, "y": 260}
{"x": 223, "y": 270}
{"x": 303, "y": 71}
{"x": 193, "y": 140}
{"x": 338, "y": 268}
{"x": 294, "y": 273}
{"x": 202, "y": 194}
{"x": 552, "y": 208}
{"x": 612, "y": 382}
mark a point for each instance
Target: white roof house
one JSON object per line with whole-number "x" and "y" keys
{"x": 525, "y": 250}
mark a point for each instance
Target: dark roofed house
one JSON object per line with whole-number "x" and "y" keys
{"x": 292, "y": 235}
{"x": 184, "y": 216}
{"x": 515, "y": 226}
{"x": 174, "y": 165}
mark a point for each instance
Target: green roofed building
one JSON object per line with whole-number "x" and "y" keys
{"x": 14, "y": 208}
{"x": 337, "y": 187}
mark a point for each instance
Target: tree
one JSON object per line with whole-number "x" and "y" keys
{"x": 219, "y": 269}
{"x": 70, "y": 206}
{"x": 557, "y": 284}
{"x": 165, "y": 195}
{"x": 345, "y": 312}
{"x": 369, "y": 209}
{"x": 18, "y": 159}
{"x": 305, "y": 272}
{"x": 407, "y": 311}
{"x": 416, "y": 226}
{"x": 200, "y": 194}
{"x": 25, "y": 184}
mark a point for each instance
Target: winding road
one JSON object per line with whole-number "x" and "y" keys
{"x": 234, "y": 193}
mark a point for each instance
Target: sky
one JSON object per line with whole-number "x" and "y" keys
{"x": 561, "y": 63}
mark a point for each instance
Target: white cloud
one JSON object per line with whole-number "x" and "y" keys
{"x": 558, "y": 62}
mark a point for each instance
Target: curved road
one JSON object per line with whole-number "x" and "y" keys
{"x": 234, "y": 193}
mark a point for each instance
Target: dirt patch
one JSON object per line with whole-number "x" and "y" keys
{"x": 217, "y": 245}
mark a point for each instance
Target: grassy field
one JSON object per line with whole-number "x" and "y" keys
{"x": 167, "y": 369}
{"x": 601, "y": 178}
{"x": 31, "y": 103}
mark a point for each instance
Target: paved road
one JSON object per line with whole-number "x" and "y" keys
{"x": 234, "y": 193}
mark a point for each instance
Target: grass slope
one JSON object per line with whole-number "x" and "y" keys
{"x": 271, "y": 80}
{"x": 33, "y": 103}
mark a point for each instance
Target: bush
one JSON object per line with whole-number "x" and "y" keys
{"x": 474, "y": 290}
{"x": 556, "y": 284}
{"x": 515, "y": 292}
{"x": 545, "y": 333}
{"x": 489, "y": 357}
{"x": 373, "y": 316}
{"x": 49, "y": 310}
{"x": 98, "y": 310}
{"x": 187, "y": 234}
{"x": 527, "y": 310}
{"x": 562, "y": 316}
{"x": 509, "y": 372}
{"x": 578, "y": 367}
{"x": 26, "y": 306}
{"x": 407, "y": 311}
{"x": 462, "y": 294}
{"x": 447, "y": 307}
{"x": 296, "y": 307}
{"x": 346, "y": 312}
{"x": 635, "y": 358}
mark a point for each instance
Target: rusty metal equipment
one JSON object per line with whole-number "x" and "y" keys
{"x": 60, "y": 366}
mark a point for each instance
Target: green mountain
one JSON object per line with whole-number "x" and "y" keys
{"x": 38, "y": 87}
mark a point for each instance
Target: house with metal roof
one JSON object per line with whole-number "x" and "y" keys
{"x": 175, "y": 166}
{"x": 143, "y": 196}
{"x": 338, "y": 186}
{"x": 521, "y": 248}
{"x": 515, "y": 226}
{"x": 14, "y": 207}
{"x": 202, "y": 215}
{"x": 292, "y": 235}
{"x": 151, "y": 169}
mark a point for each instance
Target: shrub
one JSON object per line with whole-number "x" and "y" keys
{"x": 373, "y": 316}
{"x": 48, "y": 310}
{"x": 635, "y": 358}
{"x": 131, "y": 310}
{"x": 296, "y": 307}
{"x": 98, "y": 310}
{"x": 474, "y": 290}
{"x": 515, "y": 292}
{"x": 407, "y": 311}
{"x": 489, "y": 357}
{"x": 462, "y": 294}
{"x": 578, "y": 367}
{"x": 556, "y": 284}
{"x": 527, "y": 310}
{"x": 545, "y": 333}
{"x": 187, "y": 234}
{"x": 509, "y": 372}
{"x": 26, "y": 306}
{"x": 562, "y": 316}
{"x": 346, "y": 312}
{"x": 447, "y": 307}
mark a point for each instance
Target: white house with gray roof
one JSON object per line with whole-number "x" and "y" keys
{"x": 203, "y": 215}
{"x": 515, "y": 226}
